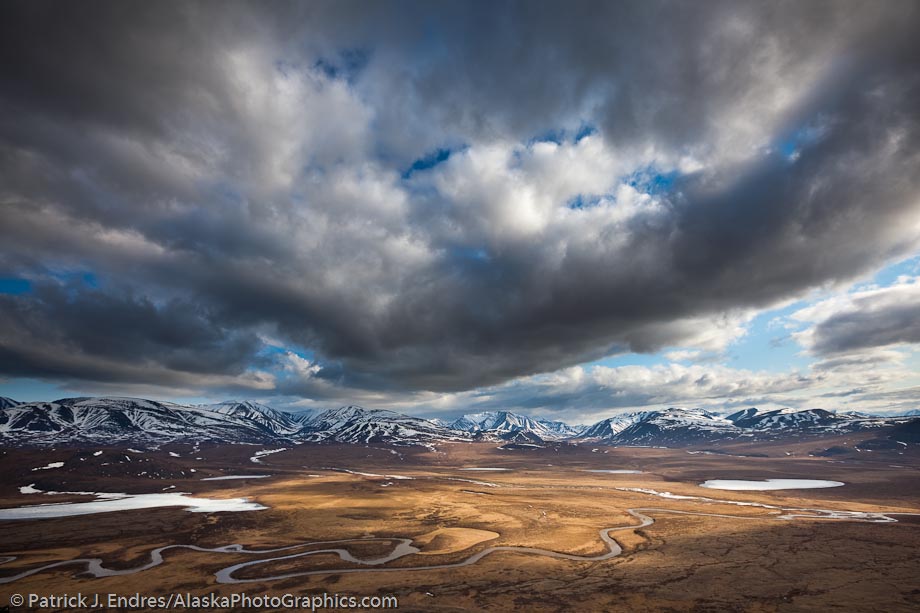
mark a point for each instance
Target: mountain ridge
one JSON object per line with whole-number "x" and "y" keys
{"x": 114, "y": 418}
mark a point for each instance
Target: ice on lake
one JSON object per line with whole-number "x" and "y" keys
{"x": 108, "y": 503}
{"x": 769, "y": 484}
{"x": 614, "y": 471}
{"x": 485, "y": 469}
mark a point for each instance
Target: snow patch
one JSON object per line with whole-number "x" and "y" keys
{"x": 111, "y": 502}
{"x": 769, "y": 484}
{"x": 257, "y": 457}
{"x": 355, "y": 472}
{"x": 617, "y": 471}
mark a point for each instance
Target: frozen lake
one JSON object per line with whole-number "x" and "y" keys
{"x": 108, "y": 503}
{"x": 234, "y": 477}
{"x": 769, "y": 484}
{"x": 614, "y": 471}
{"x": 486, "y": 469}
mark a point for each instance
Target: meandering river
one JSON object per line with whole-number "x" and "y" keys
{"x": 403, "y": 547}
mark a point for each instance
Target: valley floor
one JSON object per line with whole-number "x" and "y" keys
{"x": 847, "y": 548}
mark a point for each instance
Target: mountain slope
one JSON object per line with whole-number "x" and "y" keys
{"x": 6, "y": 403}
{"x": 501, "y": 422}
{"x": 275, "y": 422}
{"x": 807, "y": 421}
{"x": 756, "y": 419}
{"x": 692, "y": 426}
{"x": 675, "y": 426}
{"x": 354, "y": 424}
{"x": 122, "y": 419}
{"x": 561, "y": 429}
{"x": 108, "y": 419}
{"x": 304, "y": 416}
{"x": 607, "y": 428}
{"x": 116, "y": 420}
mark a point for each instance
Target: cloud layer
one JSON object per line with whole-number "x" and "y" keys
{"x": 863, "y": 320}
{"x": 611, "y": 179}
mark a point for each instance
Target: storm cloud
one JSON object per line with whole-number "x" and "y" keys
{"x": 441, "y": 197}
{"x": 864, "y": 320}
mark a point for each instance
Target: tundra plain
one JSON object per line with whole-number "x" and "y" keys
{"x": 842, "y": 548}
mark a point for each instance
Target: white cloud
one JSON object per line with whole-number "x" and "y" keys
{"x": 218, "y": 164}
{"x": 864, "y": 319}
{"x": 301, "y": 366}
{"x": 684, "y": 355}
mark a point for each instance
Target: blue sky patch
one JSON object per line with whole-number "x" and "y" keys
{"x": 347, "y": 64}
{"x": 15, "y": 286}
{"x": 651, "y": 180}
{"x": 428, "y": 161}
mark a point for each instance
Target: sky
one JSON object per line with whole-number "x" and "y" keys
{"x": 564, "y": 209}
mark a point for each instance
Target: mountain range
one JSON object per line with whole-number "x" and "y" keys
{"x": 504, "y": 422}
{"x": 74, "y": 421}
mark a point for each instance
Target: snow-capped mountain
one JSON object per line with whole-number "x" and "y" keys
{"x": 501, "y": 422}
{"x": 304, "y": 415}
{"x": 79, "y": 420}
{"x": 113, "y": 419}
{"x": 275, "y": 422}
{"x": 466, "y": 423}
{"x": 354, "y": 424}
{"x": 6, "y": 403}
{"x": 757, "y": 419}
{"x": 786, "y": 421}
{"x": 675, "y": 426}
{"x": 690, "y": 426}
{"x": 607, "y": 428}
{"x": 121, "y": 419}
{"x": 521, "y": 439}
{"x": 561, "y": 429}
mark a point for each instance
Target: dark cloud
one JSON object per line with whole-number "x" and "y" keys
{"x": 72, "y": 330}
{"x": 867, "y": 320}
{"x": 849, "y": 331}
{"x": 239, "y": 170}
{"x": 864, "y": 361}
